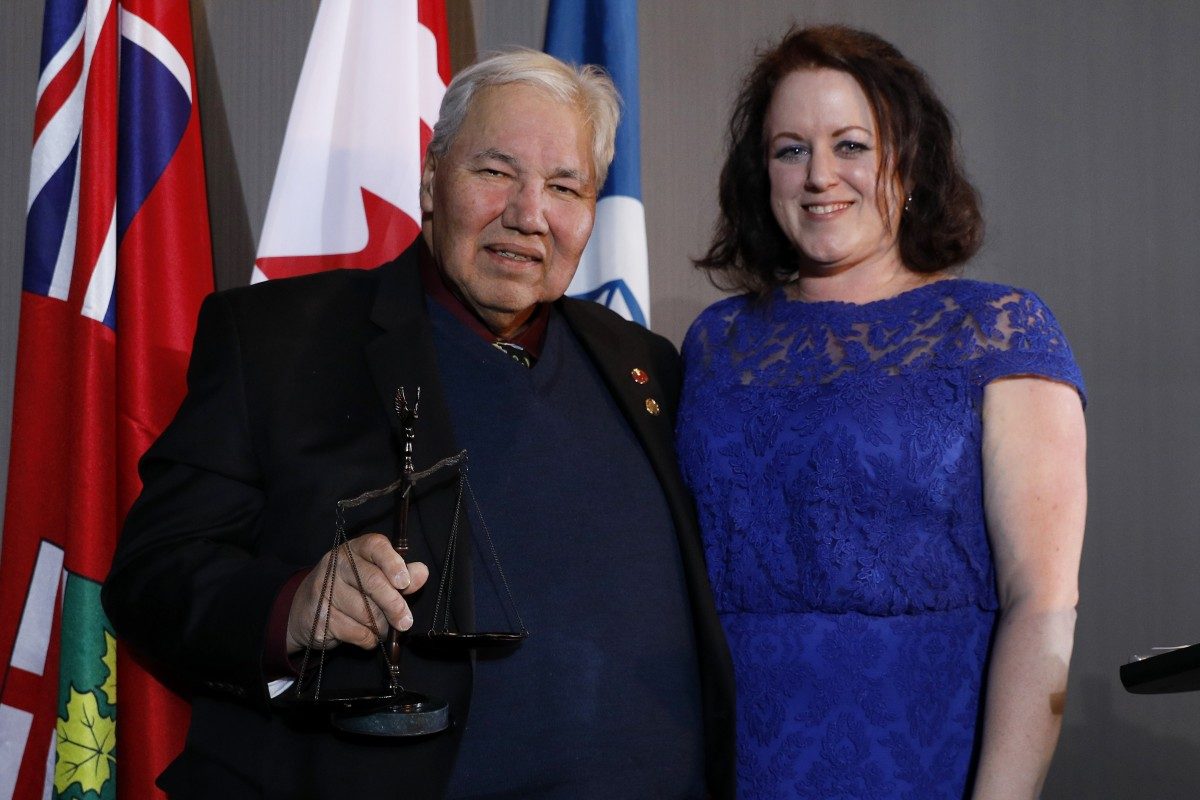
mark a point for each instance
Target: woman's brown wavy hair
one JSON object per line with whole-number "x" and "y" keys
{"x": 941, "y": 227}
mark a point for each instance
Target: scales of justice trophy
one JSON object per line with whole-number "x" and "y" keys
{"x": 391, "y": 709}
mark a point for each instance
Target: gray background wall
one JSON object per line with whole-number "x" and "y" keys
{"x": 1077, "y": 119}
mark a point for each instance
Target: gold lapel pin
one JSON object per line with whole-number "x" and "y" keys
{"x": 652, "y": 406}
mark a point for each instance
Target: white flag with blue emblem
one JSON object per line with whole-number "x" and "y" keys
{"x": 614, "y": 269}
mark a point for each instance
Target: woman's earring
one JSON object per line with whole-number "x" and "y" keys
{"x": 908, "y": 202}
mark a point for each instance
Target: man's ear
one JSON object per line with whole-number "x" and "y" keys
{"x": 427, "y": 173}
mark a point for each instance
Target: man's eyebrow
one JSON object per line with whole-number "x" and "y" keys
{"x": 572, "y": 174}
{"x": 494, "y": 154}
{"x": 497, "y": 155}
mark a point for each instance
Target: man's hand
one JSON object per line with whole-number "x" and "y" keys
{"x": 385, "y": 578}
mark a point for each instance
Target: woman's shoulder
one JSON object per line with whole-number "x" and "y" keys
{"x": 727, "y": 308}
{"x": 1000, "y": 311}
{"x": 974, "y": 295}
{"x": 730, "y": 328}
{"x": 1007, "y": 331}
{"x": 716, "y": 320}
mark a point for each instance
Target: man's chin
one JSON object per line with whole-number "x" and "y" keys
{"x": 505, "y": 319}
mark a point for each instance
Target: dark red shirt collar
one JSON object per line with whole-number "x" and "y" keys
{"x": 438, "y": 289}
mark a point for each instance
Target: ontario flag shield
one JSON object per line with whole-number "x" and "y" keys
{"x": 117, "y": 260}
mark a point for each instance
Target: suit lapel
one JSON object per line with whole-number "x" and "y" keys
{"x": 403, "y": 356}
{"x": 615, "y": 358}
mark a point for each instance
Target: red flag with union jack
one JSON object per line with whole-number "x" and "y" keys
{"x": 117, "y": 260}
{"x": 346, "y": 188}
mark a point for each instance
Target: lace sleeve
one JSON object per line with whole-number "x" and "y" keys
{"x": 1018, "y": 335}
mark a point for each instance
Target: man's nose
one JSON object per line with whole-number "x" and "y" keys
{"x": 822, "y": 171}
{"x": 526, "y": 209}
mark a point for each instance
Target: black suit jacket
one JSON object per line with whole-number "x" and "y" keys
{"x": 289, "y": 409}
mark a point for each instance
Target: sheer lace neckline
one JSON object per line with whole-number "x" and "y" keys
{"x": 905, "y": 296}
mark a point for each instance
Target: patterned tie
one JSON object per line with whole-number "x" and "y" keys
{"x": 516, "y": 352}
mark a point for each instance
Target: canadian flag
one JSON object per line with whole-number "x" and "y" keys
{"x": 346, "y": 188}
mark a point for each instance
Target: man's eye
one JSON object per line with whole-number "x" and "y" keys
{"x": 559, "y": 188}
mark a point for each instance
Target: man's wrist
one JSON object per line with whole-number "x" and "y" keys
{"x": 277, "y": 663}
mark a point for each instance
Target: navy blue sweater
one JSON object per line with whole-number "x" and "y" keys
{"x": 602, "y": 699}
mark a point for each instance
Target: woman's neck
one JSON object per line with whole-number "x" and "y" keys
{"x": 862, "y": 283}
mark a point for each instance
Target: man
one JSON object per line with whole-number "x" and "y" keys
{"x": 623, "y": 687}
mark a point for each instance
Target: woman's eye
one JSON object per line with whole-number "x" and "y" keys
{"x": 791, "y": 152}
{"x": 852, "y": 147}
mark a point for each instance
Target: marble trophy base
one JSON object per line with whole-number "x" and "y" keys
{"x": 398, "y": 715}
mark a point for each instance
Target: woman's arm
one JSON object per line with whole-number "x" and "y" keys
{"x": 1035, "y": 499}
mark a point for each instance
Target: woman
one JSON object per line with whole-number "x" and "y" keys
{"x": 888, "y": 461}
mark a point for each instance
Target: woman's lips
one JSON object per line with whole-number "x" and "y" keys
{"x": 825, "y": 209}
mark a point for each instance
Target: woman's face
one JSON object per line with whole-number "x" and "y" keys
{"x": 823, "y": 153}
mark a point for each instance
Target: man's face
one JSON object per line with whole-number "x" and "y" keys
{"x": 509, "y": 208}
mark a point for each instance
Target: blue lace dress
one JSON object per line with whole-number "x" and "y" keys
{"x": 834, "y": 453}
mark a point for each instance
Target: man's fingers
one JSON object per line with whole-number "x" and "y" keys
{"x": 379, "y": 573}
{"x": 348, "y": 629}
{"x": 376, "y": 549}
{"x": 383, "y": 602}
{"x": 418, "y": 573}
{"x": 349, "y": 603}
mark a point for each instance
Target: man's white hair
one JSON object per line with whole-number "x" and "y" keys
{"x": 587, "y": 87}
